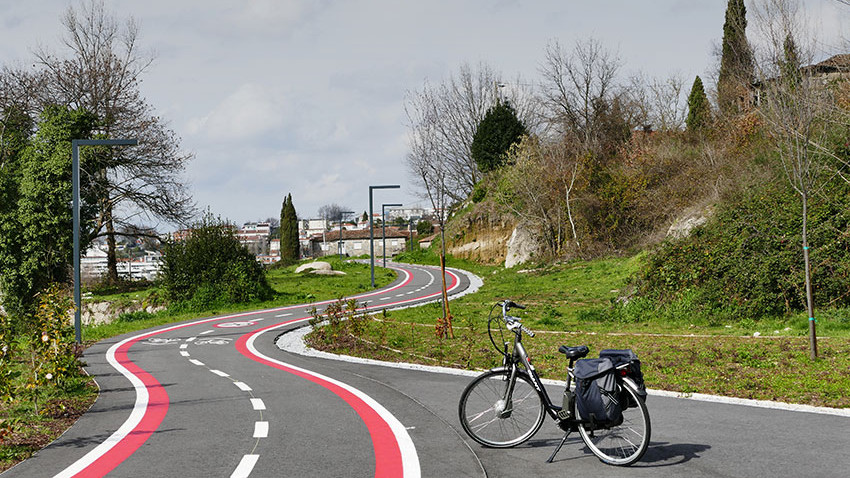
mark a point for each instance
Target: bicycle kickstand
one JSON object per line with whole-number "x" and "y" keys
{"x": 558, "y": 448}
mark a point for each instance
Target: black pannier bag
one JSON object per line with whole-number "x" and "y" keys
{"x": 627, "y": 356}
{"x": 597, "y": 392}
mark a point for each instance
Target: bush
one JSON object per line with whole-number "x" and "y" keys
{"x": 212, "y": 268}
{"x": 747, "y": 261}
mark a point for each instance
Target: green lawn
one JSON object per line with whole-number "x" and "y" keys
{"x": 566, "y": 304}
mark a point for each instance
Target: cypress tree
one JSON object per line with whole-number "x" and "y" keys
{"x": 699, "y": 110}
{"x": 289, "y": 245}
{"x": 736, "y": 61}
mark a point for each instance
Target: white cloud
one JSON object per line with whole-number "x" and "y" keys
{"x": 250, "y": 112}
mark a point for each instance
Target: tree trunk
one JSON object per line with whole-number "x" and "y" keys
{"x": 111, "y": 254}
{"x": 813, "y": 341}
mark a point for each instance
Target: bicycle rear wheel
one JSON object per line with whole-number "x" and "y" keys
{"x": 625, "y": 443}
{"x": 489, "y": 420}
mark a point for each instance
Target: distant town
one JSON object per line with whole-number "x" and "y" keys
{"x": 139, "y": 258}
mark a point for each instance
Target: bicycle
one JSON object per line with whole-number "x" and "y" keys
{"x": 506, "y": 405}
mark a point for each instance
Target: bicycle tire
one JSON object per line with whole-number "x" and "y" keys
{"x": 486, "y": 419}
{"x": 625, "y": 443}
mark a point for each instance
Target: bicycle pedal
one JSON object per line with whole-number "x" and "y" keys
{"x": 564, "y": 414}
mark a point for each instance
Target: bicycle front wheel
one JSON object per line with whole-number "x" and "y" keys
{"x": 493, "y": 421}
{"x": 625, "y": 443}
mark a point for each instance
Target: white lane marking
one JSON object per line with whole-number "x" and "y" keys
{"x": 409, "y": 456}
{"x": 386, "y": 298}
{"x": 246, "y": 464}
{"x": 261, "y": 429}
{"x": 184, "y": 353}
{"x": 219, "y": 373}
{"x": 197, "y": 362}
{"x": 207, "y": 332}
{"x": 242, "y": 386}
{"x": 184, "y": 346}
{"x": 284, "y": 315}
{"x": 191, "y": 339}
{"x": 258, "y": 404}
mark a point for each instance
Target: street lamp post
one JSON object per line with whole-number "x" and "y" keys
{"x": 384, "y": 229}
{"x": 339, "y": 247}
{"x": 75, "y": 179}
{"x": 372, "y": 228}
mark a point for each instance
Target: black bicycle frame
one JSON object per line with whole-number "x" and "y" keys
{"x": 520, "y": 356}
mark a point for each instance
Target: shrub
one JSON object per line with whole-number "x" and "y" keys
{"x": 212, "y": 268}
{"x": 749, "y": 257}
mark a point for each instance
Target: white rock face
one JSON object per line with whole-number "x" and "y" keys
{"x": 323, "y": 272}
{"x": 522, "y": 246}
{"x": 313, "y": 266}
{"x": 691, "y": 218}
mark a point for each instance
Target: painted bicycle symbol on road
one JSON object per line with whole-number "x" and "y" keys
{"x": 235, "y": 325}
{"x": 213, "y": 341}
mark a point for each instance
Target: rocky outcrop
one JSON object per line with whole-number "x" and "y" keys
{"x": 97, "y": 313}
{"x": 688, "y": 220}
{"x": 523, "y": 246}
{"x": 313, "y": 266}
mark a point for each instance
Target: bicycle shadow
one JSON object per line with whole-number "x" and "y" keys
{"x": 658, "y": 454}
{"x": 666, "y": 454}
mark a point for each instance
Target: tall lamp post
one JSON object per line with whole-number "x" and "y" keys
{"x": 372, "y": 228}
{"x": 384, "y": 229}
{"x": 75, "y": 179}
{"x": 341, "y": 215}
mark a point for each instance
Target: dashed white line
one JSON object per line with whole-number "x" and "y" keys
{"x": 261, "y": 429}
{"x": 184, "y": 346}
{"x": 219, "y": 373}
{"x": 207, "y": 332}
{"x": 258, "y": 404}
{"x": 191, "y": 339}
{"x": 184, "y": 353}
{"x": 245, "y": 466}
{"x": 197, "y": 362}
{"x": 242, "y": 386}
{"x": 284, "y": 315}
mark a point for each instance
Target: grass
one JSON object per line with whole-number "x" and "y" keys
{"x": 570, "y": 303}
{"x": 23, "y": 431}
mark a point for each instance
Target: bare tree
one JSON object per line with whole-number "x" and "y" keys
{"x": 659, "y": 103}
{"x": 102, "y": 74}
{"x": 432, "y": 170}
{"x": 801, "y": 112}
{"x": 541, "y": 187}
{"x": 577, "y": 87}
{"x": 454, "y": 108}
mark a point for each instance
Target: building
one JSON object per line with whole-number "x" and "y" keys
{"x": 93, "y": 265}
{"x": 255, "y": 236}
{"x": 356, "y": 242}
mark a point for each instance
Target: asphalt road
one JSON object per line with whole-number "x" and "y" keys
{"x": 217, "y": 397}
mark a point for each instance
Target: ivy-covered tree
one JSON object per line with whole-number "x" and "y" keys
{"x": 499, "y": 129}
{"x": 39, "y": 252}
{"x": 736, "y": 61}
{"x": 699, "y": 109}
{"x": 290, "y": 247}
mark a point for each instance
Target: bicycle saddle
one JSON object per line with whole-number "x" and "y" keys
{"x": 574, "y": 352}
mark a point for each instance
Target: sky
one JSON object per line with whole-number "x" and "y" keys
{"x": 307, "y": 97}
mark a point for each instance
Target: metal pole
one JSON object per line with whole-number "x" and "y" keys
{"x": 372, "y": 230}
{"x": 75, "y": 180}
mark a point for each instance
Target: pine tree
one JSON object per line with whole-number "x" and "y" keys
{"x": 699, "y": 110}
{"x": 736, "y": 61}
{"x": 499, "y": 129}
{"x": 289, "y": 245}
